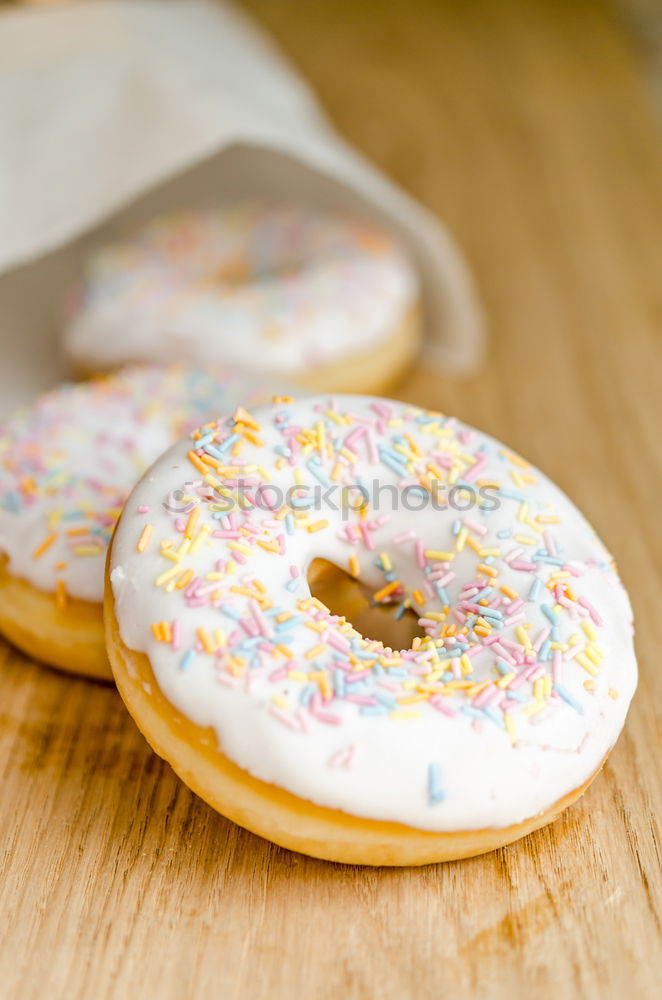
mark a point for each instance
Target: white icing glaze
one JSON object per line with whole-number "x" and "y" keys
{"x": 273, "y": 288}
{"x": 458, "y": 758}
{"x": 68, "y": 463}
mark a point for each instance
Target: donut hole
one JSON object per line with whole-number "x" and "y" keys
{"x": 343, "y": 595}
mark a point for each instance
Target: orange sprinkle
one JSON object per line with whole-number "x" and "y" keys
{"x": 60, "y": 594}
{"x": 193, "y": 518}
{"x": 39, "y": 551}
{"x": 354, "y": 565}
{"x": 184, "y": 579}
{"x": 386, "y": 591}
{"x": 197, "y": 462}
{"x": 205, "y": 639}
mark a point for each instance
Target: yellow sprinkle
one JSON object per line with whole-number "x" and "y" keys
{"x": 145, "y": 536}
{"x": 201, "y": 536}
{"x": 438, "y": 555}
{"x": 219, "y": 637}
{"x": 413, "y": 699}
{"x": 168, "y": 575}
{"x": 586, "y": 664}
{"x": 509, "y": 723}
{"x": 317, "y": 526}
{"x": 534, "y": 708}
{"x": 613, "y": 693}
{"x": 546, "y": 686}
{"x": 418, "y": 597}
{"x": 488, "y": 570}
{"x": 461, "y": 539}
{"x": 515, "y": 459}
{"x": 385, "y": 560}
{"x": 593, "y": 654}
{"x": 522, "y": 637}
{"x": 404, "y": 716}
{"x": 354, "y": 565}
{"x": 39, "y": 551}
{"x": 589, "y": 684}
{"x": 505, "y": 680}
{"x": 297, "y": 675}
{"x": 239, "y": 547}
{"x": 523, "y": 512}
{"x": 87, "y": 550}
{"x": 589, "y": 630}
{"x": 280, "y": 702}
{"x": 538, "y": 688}
{"x": 316, "y": 651}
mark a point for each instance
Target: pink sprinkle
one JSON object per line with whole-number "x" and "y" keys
{"x": 176, "y": 634}
{"x": 294, "y": 571}
{"x": 597, "y": 620}
{"x": 557, "y": 661}
{"x": 143, "y": 508}
{"x": 404, "y": 536}
{"x": 420, "y": 554}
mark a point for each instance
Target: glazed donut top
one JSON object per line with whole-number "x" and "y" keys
{"x": 273, "y": 287}
{"x": 519, "y": 682}
{"x": 68, "y": 463}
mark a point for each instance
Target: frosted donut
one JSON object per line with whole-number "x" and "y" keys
{"x": 287, "y": 719}
{"x": 326, "y": 299}
{"x": 66, "y": 467}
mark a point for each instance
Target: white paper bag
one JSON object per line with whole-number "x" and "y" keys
{"x": 111, "y": 111}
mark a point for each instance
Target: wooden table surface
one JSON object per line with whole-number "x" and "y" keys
{"x": 528, "y": 128}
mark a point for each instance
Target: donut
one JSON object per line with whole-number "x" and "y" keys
{"x": 67, "y": 465}
{"x": 285, "y": 713}
{"x": 325, "y": 299}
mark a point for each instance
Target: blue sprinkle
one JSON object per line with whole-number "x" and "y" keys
{"x": 509, "y": 495}
{"x": 475, "y": 713}
{"x": 567, "y": 697}
{"x": 492, "y": 714}
{"x": 535, "y": 589}
{"x": 545, "y": 651}
{"x": 313, "y": 466}
{"x": 230, "y": 612}
{"x": 549, "y": 613}
{"x": 292, "y": 584}
{"x": 307, "y": 691}
{"x": 503, "y": 667}
{"x": 187, "y": 659}
{"x": 289, "y": 524}
{"x": 436, "y": 793}
{"x": 505, "y": 533}
{"x": 339, "y": 682}
{"x": 372, "y": 710}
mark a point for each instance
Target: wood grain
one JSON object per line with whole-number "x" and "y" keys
{"x": 527, "y": 127}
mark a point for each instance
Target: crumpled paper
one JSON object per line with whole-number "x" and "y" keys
{"x": 115, "y": 110}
